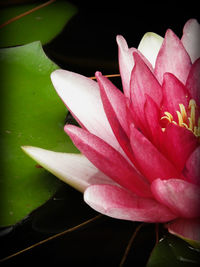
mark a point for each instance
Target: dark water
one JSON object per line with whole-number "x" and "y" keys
{"x": 88, "y": 44}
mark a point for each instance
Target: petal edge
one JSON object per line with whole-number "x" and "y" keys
{"x": 73, "y": 169}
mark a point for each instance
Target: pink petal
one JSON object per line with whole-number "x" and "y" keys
{"x": 115, "y": 107}
{"x": 174, "y": 93}
{"x": 185, "y": 228}
{"x": 137, "y": 117}
{"x": 193, "y": 81}
{"x": 126, "y": 63}
{"x": 152, "y": 115}
{"x": 192, "y": 167}
{"x": 172, "y": 58}
{"x": 181, "y": 197}
{"x": 82, "y": 97}
{"x": 119, "y": 203}
{"x": 73, "y": 169}
{"x": 114, "y": 102}
{"x": 108, "y": 160}
{"x": 177, "y": 144}
{"x": 143, "y": 83}
{"x": 150, "y": 162}
{"x": 191, "y": 38}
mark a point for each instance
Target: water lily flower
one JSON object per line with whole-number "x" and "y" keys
{"x": 140, "y": 149}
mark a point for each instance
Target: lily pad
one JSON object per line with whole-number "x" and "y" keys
{"x": 173, "y": 251}
{"x": 31, "y": 114}
{"x": 41, "y": 25}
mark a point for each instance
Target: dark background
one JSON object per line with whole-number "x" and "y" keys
{"x": 87, "y": 44}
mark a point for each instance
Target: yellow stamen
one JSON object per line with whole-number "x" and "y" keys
{"x": 185, "y": 125}
{"x": 186, "y": 119}
{"x": 192, "y": 108}
{"x": 183, "y": 112}
{"x": 190, "y": 124}
{"x": 180, "y": 118}
{"x": 168, "y": 116}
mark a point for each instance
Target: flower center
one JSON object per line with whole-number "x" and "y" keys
{"x": 188, "y": 119}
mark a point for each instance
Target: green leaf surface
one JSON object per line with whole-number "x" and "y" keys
{"x": 31, "y": 114}
{"x": 174, "y": 252}
{"x": 41, "y": 25}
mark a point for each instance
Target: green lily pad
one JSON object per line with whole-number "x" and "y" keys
{"x": 41, "y": 25}
{"x": 31, "y": 114}
{"x": 173, "y": 251}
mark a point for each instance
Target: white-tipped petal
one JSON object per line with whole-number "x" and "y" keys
{"x": 82, "y": 97}
{"x": 150, "y": 45}
{"x": 73, "y": 169}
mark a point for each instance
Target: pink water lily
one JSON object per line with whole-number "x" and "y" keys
{"x": 140, "y": 149}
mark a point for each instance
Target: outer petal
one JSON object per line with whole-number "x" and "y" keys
{"x": 177, "y": 144}
{"x": 82, "y": 97}
{"x": 114, "y": 102}
{"x": 191, "y": 38}
{"x": 119, "y": 203}
{"x": 150, "y": 45}
{"x": 193, "y": 81}
{"x": 126, "y": 63}
{"x": 188, "y": 229}
{"x": 143, "y": 83}
{"x": 108, "y": 160}
{"x": 172, "y": 58}
{"x": 73, "y": 169}
{"x": 181, "y": 197}
{"x": 148, "y": 159}
{"x": 192, "y": 167}
{"x": 115, "y": 107}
